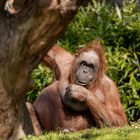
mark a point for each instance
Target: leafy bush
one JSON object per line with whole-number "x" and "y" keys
{"x": 119, "y": 31}
{"x": 42, "y": 77}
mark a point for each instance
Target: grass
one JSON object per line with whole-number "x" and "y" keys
{"x": 127, "y": 133}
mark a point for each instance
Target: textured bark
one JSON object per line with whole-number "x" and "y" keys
{"x": 24, "y": 38}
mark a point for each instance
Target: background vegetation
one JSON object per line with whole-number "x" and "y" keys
{"x": 119, "y": 32}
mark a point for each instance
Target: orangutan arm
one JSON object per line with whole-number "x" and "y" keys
{"x": 109, "y": 113}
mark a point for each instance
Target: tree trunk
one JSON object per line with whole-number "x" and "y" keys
{"x": 27, "y": 32}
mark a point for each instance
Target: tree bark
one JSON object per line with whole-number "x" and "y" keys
{"x": 25, "y": 36}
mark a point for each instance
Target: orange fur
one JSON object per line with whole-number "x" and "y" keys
{"x": 59, "y": 60}
{"x": 101, "y": 97}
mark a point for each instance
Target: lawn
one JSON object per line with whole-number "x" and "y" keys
{"x": 127, "y": 133}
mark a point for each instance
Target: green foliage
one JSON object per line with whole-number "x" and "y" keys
{"x": 42, "y": 76}
{"x": 99, "y": 20}
{"x": 119, "y": 31}
{"x": 127, "y": 133}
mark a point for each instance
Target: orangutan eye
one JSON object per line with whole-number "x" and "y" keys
{"x": 83, "y": 63}
{"x": 91, "y": 66}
